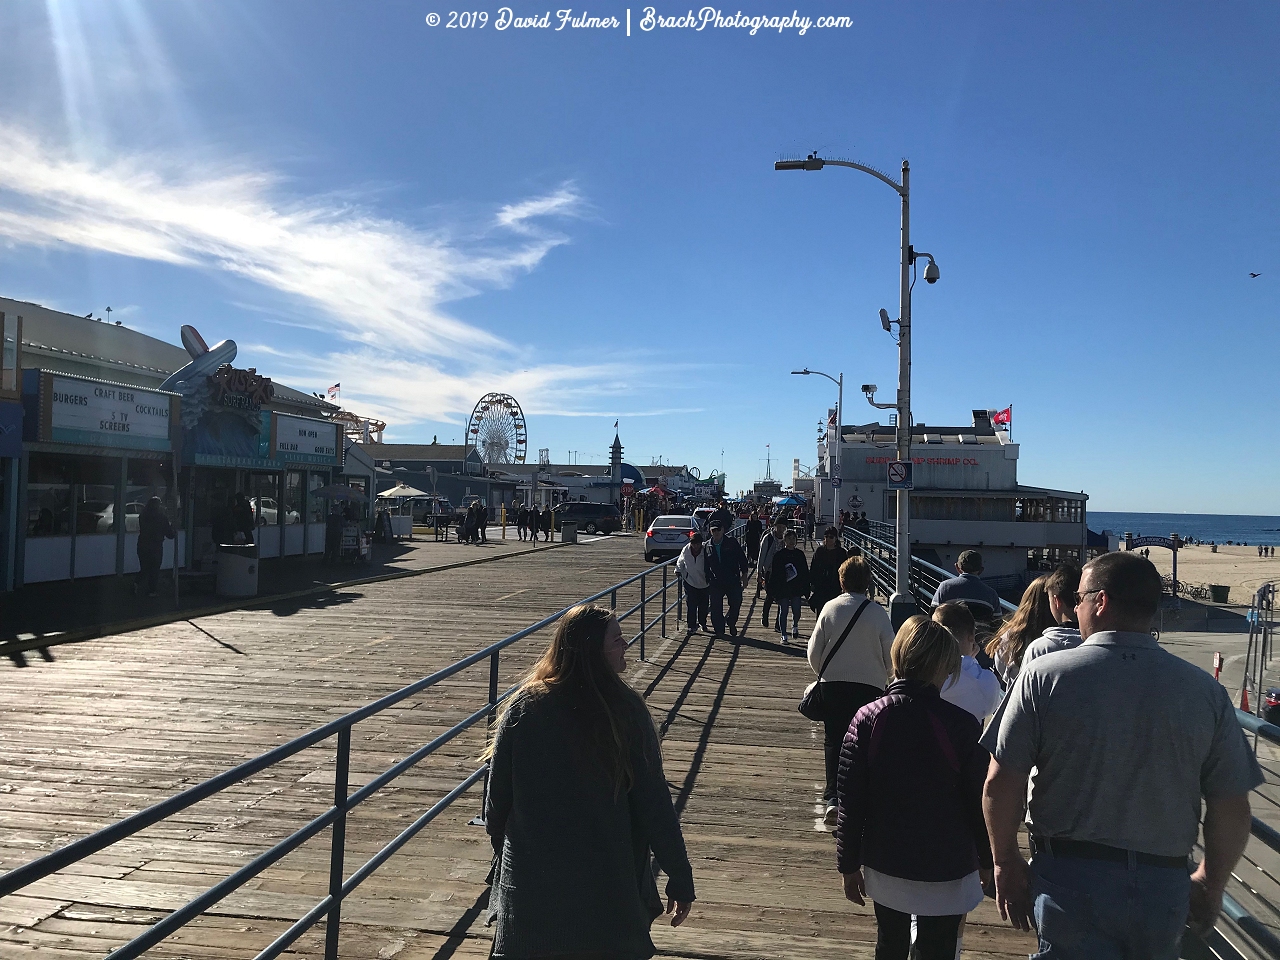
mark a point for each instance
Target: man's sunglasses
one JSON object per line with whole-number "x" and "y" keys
{"x": 1080, "y": 596}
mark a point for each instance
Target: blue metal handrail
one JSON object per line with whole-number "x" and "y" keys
{"x": 339, "y": 886}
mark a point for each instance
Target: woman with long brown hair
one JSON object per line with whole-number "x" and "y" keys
{"x": 577, "y": 799}
{"x": 1032, "y": 618}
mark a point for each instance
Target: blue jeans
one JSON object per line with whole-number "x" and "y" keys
{"x": 719, "y": 593}
{"x": 1099, "y": 909}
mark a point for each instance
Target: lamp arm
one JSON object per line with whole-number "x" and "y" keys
{"x": 871, "y": 170}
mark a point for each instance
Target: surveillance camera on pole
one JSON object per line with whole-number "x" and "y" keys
{"x": 885, "y": 321}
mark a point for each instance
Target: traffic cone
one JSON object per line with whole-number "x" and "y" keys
{"x": 1244, "y": 696}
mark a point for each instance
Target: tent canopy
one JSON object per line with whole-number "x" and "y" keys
{"x": 401, "y": 491}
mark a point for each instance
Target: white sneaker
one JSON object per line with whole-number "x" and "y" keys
{"x": 833, "y": 812}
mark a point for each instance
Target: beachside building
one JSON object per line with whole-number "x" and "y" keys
{"x": 966, "y": 496}
{"x": 89, "y": 432}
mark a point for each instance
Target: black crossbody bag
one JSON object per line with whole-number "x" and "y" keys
{"x": 811, "y": 704}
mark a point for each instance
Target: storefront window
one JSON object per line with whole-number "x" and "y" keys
{"x": 293, "y": 496}
{"x": 316, "y": 505}
{"x": 147, "y": 479}
{"x": 264, "y": 495}
{"x": 68, "y": 495}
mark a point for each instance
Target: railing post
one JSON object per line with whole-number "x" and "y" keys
{"x": 337, "y": 843}
{"x": 663, "y": 634}
{"x": 613, "y": 600}
{"x": 643, "y": 594}
{"x": 479, "y": 819}
{"x": 679, "y": 600}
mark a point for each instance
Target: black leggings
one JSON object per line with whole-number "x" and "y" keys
{"x": 840, "y": 701}
{"x": 935, "y": 936}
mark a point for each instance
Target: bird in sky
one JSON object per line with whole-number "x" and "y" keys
{"x": 1255, "y": 275}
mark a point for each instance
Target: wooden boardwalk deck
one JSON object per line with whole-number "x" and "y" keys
{"x": 113, "y": 725}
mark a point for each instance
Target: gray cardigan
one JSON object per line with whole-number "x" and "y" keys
{"x": 572, "y": 872}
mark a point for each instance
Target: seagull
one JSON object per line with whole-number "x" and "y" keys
{"x": 89, "y": 315}
{"x": 1255, "y": 275}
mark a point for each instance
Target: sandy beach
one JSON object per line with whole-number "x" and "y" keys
{"x": 1240, "y": 568}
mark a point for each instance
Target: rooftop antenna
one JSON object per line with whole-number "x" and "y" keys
{"x": 768, "y": 462}
{"x": 108, "y": 314}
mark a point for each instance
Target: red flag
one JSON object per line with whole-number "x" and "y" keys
{"x": 1004, "y": 416}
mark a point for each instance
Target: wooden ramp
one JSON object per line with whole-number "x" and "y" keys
{"x": 113, "y": 725}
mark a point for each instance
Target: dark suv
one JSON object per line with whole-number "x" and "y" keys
{"x": 590, "y": 517}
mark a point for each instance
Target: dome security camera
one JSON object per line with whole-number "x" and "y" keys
{"x": 931, "y": 273}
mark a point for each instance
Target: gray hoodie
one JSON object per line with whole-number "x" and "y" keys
{"x": 769, "y": 545}
{"x": 1051, "y": 641}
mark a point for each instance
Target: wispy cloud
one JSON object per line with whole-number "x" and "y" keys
{"x": 378, "y": 281}
{"x": 375, "y": 282}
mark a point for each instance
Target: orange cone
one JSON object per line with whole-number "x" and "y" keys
{"x": 1244, "y": 698}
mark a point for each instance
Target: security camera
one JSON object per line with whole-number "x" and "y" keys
{"x": 884, "y": 317}
{"x": 869, "y": 388}
{"x": 931, "y": 272}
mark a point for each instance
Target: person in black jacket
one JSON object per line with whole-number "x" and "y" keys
{"x": 789, "y": 583}
{"x": 910, "y": 833}
{"x": 577, "y": 799}
{"x": 727, "y": 573}
{"x": 522, "y": 520}
{"x": 153, "y": 529}
{"x": 825, "y": 570}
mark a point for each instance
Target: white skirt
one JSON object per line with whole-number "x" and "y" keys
{"x": 921, "y": 898}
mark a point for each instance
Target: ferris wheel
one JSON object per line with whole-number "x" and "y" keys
{"x": 497, "y": 429}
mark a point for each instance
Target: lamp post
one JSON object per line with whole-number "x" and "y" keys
{"x": 901, "y": 604}
{"x": 832, "y": 459}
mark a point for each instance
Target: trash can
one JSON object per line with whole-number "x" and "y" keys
{"x": 237, "y": 570}
{"x": 1213, "y": 548}
{"x": 569, "y": 531}
{"x": 1218, "y": 592}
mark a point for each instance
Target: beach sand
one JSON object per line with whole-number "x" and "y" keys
{"x": 1240, "y": 568}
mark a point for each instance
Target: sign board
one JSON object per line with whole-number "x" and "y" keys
{"x": 855, "y": 501}
{"x": 95, "y": 413}
{"x": 899, "y": 475}
{"x": 302, "y": 440}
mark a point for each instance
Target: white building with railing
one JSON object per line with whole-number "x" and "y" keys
{"x": 966, "y": 495}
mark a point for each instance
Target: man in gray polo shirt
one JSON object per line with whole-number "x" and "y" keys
{"x": 1126, "y": 738}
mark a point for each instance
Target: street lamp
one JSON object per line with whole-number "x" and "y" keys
{"x": 901, "y": 604}
{"x": 832, "y": 459}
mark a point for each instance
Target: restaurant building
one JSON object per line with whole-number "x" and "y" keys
{"x": 966, "y": 495}
{"x": 110, "y": 417}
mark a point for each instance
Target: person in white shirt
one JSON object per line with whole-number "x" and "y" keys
{"x": 858, "y": 670}
{"x": 976, "y": 689}
{"x": 692, "y": 569}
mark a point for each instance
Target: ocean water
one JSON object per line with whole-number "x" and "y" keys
{"x": 1217, "y": 527}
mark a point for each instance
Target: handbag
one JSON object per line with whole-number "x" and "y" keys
{"x": 811, "y": 704}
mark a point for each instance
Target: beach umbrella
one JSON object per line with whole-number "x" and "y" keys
{"x": 787, "y": 501}
{"x": 401, "y": 491}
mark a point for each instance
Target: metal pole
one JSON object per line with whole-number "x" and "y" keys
{"x": 663, "y": 633}
{"x": 902, "y": 579}
{"x": 836, "y": 463}
{"x": 643, "y": 593}
{"x": 337, "y": 844}
{"x": 479, "y": 820}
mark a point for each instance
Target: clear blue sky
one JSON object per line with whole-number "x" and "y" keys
{"x": 591, "y": 221}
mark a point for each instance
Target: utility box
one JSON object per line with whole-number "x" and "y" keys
{"x": 569, "y": 531}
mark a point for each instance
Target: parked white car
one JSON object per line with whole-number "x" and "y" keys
{"x": 667, "y": 536}
{"x": 269, "y": 513}
{"x": 107, "y": 516}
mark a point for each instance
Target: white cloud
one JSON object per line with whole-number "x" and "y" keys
{"x": 370, "y": 280}
{"x": 378, "y": 281}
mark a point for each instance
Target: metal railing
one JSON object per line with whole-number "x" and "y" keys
{"x": 653, "y": 607}
{"x": 882, "y": 556}
{"x": 1239, "y": 922}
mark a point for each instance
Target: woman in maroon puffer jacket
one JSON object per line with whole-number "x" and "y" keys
{"x": 910, "y": 833}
